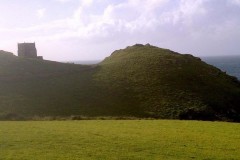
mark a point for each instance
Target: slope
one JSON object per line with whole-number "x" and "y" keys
{"x": 30, "y": 87}
{"x": 139, "y": 81}
{"x": 166, "y": 84}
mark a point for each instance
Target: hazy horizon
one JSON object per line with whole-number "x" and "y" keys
{"x": 83, "y": 30}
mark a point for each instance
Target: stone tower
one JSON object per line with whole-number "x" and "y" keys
{"x": 27, "y": 50}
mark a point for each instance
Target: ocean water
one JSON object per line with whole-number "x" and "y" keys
{"x": 228, "y": 64}
{"x": 84, "y": 62}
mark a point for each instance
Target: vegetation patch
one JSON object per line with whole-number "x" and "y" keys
{"x": 140, "y": 81}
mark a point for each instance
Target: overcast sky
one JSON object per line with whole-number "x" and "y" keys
{"x": 92, "y": 29}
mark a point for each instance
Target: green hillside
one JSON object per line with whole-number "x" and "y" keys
{"x": 139, "y": 81}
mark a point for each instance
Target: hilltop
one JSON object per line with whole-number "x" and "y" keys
{"x": 138, "y": 81}
{"x": 5, "y": 53}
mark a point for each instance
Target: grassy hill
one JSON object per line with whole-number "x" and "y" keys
{"x": 139, "y": 81}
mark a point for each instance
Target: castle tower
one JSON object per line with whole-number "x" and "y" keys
{"x": 27, "y": 50}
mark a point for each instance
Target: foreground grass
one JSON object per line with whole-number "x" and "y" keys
{"x": 109, "y": 139}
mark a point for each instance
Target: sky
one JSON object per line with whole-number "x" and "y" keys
{"x": 71, "y": 30}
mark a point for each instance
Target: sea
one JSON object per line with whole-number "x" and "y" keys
{"x": 228, "y": 64}
{"x": 84, "y": 62}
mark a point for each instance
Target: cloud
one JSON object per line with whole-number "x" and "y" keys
{"x": 129, "y": 16}
{"x": 41, "y": 12}
{"x": 183, "y": 25}
{"x": 63, "y": 1}
{"x": 86, "y": 3}
{"x": 237, "y": 2}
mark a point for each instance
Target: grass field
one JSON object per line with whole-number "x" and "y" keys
{"x": 119, "y": 139}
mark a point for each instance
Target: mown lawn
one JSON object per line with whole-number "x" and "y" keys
{"x": 119, "y": 139}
